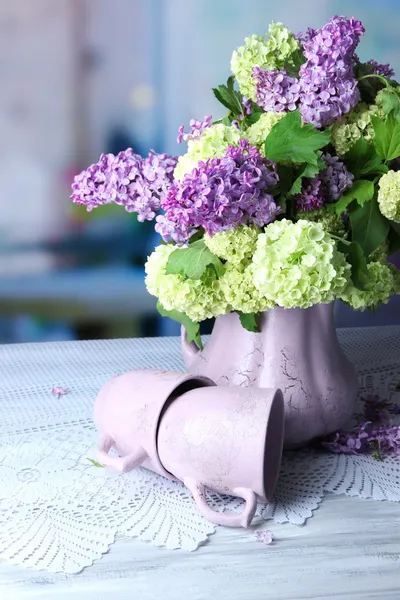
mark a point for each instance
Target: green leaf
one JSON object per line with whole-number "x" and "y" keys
{"x": 387, "y": 137}
{"x": 192, "y": 328}
{"x": 362, "y": 159}
{"x": 308, "y": 171}
{"x": 95, "y": 463}
{"x": 281, "y": 201}
{"x": 251, "y": 119}
{"x": 292, "y": 66}
{"x": 198, "y": 235}
{"x": 249, "y": 321}
{"x": 362, "y": 191}
{"x": 357, "y": 260}
{"x": 224, "y": 121}
{"x": 193, "y": 260}
{"x": 394, "y": 239}
{"x": 369, "y": 227}
{"x": 229, "y": 97}
{"x": 368, "y": 87}
{"x": 289, "y": 140}
{"x": 286, "y": 175}
{"x": 390, "y": 101}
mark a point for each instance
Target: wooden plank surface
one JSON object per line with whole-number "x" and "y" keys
{"x": 349, "y": 549}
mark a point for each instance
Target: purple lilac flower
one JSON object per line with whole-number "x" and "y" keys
{"x": 247, "y": 105}
{"x": 221, "y": 193}
{"x": 322, "y": 103}
{"x": 276, "y": 91}
{"x": 376, "y": 435}
{"x": 327, "y": 186}
{"x": 328, "y": 86}
{"x": 366, "y": 439}
{"x": 264, "y": 536}
{"x": 137, "y": 183}
{"x": 335, "y": 177}
{"x": 329, "y": 50}
{"x": 384, "y": 70}
{"x": 311, "y": 196}
{"x": 197, "y": 128}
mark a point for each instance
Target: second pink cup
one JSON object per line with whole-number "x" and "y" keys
{"x": 226, "y": 439}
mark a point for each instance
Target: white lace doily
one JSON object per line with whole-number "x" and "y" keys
{"x": 59, "y": 512}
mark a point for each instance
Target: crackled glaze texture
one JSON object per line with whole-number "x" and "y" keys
{"x": 297, "y": 350}
{"x": 228, "y": 440}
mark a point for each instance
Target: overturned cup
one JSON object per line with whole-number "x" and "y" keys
{"x": 226, "y": 439}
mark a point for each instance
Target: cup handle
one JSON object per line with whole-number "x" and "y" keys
{"x": 242, "y": 519}
{"x": 122, "y": 464}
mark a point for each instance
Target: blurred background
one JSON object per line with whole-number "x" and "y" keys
{"x": 81, "y": 77}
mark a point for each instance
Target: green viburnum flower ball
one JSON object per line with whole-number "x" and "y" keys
{"x": 396, "y": 277}
{"x": 212, "y": 143}
{"x": 298, "y": 265}
{"x": 351, "y": 127}
{"x": 331, "y": 222}
{"x": 240, "y": 292}
{"x": 257, "y": 132}
{"x": 233, "y": 245}
{"x": 381, "y": 253}
{"x": 378, "y": 291}
{"x": 389, "y": 195}
{"x": 270, "y": 52}
{"x": 199, "y": 299}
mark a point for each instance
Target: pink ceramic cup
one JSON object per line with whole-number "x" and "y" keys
{"x": 227, "y": 439}
{"x": 127, "y": 411}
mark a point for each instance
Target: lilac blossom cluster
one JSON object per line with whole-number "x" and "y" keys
{"x": 139, "y": 184}
{"x": 327, "y": 187}
{"x": 384, "y": 70}
{"x": 376, "y": 435}
{"x": 197, "y": 127}
{"x": 276, "y": 91}
{"x": 326, "y": 88}
{"x": 220, "y": 194}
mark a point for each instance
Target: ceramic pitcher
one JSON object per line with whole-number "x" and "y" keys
{"x": 296, "y": 350}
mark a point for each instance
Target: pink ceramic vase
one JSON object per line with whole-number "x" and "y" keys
{"x": 297, "y": 350}
{"x": 227, "y": 439}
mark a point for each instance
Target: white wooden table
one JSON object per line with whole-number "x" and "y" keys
{"x": 349, "y": 550}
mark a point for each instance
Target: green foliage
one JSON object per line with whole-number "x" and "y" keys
{"x": 370, "y": 86}
{"x": 390, "y": 100}
{"x": 307, "y": 170}
{"x": 292, "y": 66}
{"x": 387, "y": 137}
{"x": 394, "y": 238}
{"x": 192, "y": 328}
{"x": 95, "y": 463}
{"x": 369, "y": 227}
{"x": 229, "y": 97}
{"x": 291, "y": 141}
{"x": 250, "y": 322}
{"x": 355, "y": 257}
{"x": 193, "y": 260}
{"x": 362, "y": 160}
{"x": 362, "y": 191}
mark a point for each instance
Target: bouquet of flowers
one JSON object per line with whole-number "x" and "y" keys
{"x": 291, "y": 199}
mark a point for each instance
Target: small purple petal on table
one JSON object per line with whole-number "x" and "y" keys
{"x": 264, "y": 536}
{"x": 59, "y": 391}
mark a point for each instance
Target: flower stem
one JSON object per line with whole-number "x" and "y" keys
{"x": 383, "y": 79}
